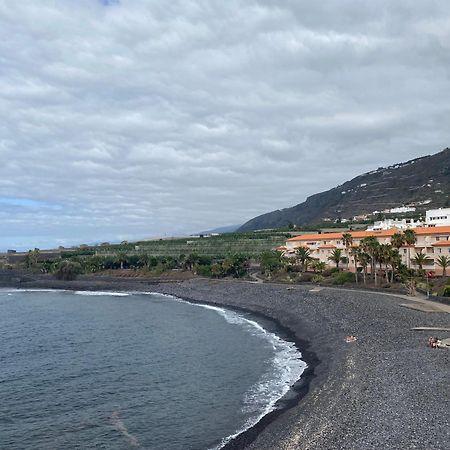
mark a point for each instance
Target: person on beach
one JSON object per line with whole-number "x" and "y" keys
{"x": 434, "y": 342}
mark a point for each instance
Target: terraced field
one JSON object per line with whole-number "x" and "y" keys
{"x": 250, "y": 244}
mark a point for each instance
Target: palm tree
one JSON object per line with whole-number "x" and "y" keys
{"x": 397, "y": 240}
{"x": 395, "y": 261}
{"x": 304, "y": 257}
{"x": 384, "y": 254}
{"x": 336, "y": 256}
{"x": 318, "y": 266}
{"x": 444, "y": 262}
{"x": 364, "y": 259}
{"x": 347, "y": 240}
{"x": 371, "y": 246}
{"x": 189, "y": 261}
{"x": 420, "y": 259}
{"x": 354, "y": 253}
{"x": 410, "y": 239}
{"x": 122, "y": 259}
{"x": 144, "y": 260}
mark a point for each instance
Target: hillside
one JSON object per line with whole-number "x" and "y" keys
{"x": 422, "y": 182}
{"x": 230, "y": 243}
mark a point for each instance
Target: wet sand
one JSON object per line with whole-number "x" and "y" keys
{"x": 386, "y": 390}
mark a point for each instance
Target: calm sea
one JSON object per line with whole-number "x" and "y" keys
{"x": 89, "y": 370}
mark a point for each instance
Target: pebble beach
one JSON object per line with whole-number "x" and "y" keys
{"x": 384, "y": 390}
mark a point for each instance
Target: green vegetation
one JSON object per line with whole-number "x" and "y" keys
{"x": 443, "y": 262}
{"x": 318, "y": 279}
{"x": 250, "y": 244}
{"x": 32, "y": 259}
{"x": 246, "y": 255}
{"x": 336, "y": 256}
{"x": 342, "y": 278}
{"x": 67, "y": 270}
{"x": 420, "y": 260}
{"x": 304, "y": 257}
{"x": 271, "y": 262}
{"x": 226, "y": 255}
{"x": 318, "y": 266}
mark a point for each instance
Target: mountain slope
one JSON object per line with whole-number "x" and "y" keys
{"x": 424, "y": 182}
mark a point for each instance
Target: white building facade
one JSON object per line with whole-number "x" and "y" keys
{"x": 402, "y": 224}
{"x": 432, "y": 241}
{"x": 438, "y": 217}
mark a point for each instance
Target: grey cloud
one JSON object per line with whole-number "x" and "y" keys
{"x": 146, "y": 118}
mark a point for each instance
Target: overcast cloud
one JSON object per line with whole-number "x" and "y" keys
{"x": 129, "y": 119}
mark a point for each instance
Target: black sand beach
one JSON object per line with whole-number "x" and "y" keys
{"x": 386, "y": 390}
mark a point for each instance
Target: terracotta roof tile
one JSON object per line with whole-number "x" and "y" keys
{"x": 441, "y": 244}
{"x": 362, "y": 234}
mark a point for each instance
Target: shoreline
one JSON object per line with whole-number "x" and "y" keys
{"x": 296, "y": 391}
{"x": 374, "y": 393}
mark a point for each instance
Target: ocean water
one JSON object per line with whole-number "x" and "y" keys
{"x": 106, "y": 370}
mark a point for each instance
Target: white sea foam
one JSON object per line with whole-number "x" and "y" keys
{"x": 260, "y": 400}
{"x": 287, "y": 368}
{"x": 12, "y": 290}
{"x": 161, "y": 295}
{"x": 96, "y": 293}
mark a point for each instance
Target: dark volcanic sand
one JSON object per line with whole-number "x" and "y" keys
{"x": 387, "y": 390}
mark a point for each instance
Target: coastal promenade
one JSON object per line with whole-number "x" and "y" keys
{"x": 384, "y": 390}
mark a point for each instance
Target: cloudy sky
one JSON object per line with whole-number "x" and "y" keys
{"x": 135, "y": 118}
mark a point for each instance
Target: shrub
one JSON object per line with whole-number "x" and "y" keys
{"x": 217, "y": 270}
{"x": 329, "y": 272}
{"x": 317, "y": 279}
{"x": 293, "y": 277}
{"x": 67, "y": 270}
{"x": 342, "y": 278}
{"x": 306, "y": 277}
{"x": 203, "y": 270}
{"x": 446, "y": 291}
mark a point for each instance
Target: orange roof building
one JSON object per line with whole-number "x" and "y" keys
{"x": 433, "y": 241}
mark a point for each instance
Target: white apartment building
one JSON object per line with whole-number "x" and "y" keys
{"x": 438, "y": 217}
{"x": 400, "y": 210}
{"x": 402, "y": 224}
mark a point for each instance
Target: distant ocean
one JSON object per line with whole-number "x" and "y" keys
{"x": 117, "y": 371}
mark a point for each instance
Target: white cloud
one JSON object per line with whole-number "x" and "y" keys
{"x": 143, "y": 118}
